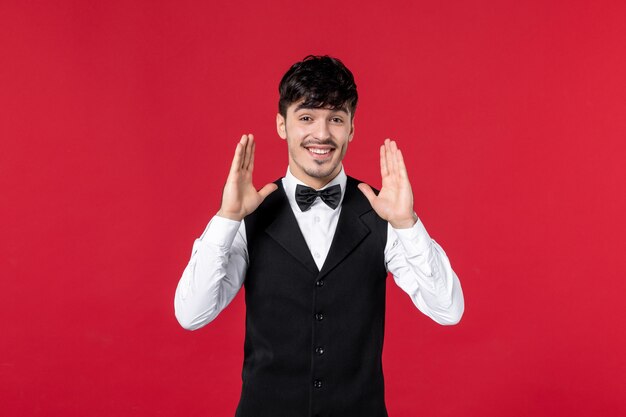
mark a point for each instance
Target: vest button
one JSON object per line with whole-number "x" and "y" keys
{"x": 319, "y": 316}
{"x": 317, "y": 383}
{"x": 319, "y": 350}
{"x": 319, "y": 283}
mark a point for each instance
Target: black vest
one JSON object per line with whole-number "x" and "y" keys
{"x": 314, "y": 339}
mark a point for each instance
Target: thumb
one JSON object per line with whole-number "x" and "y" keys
{"x": 367, "y": 191}
{"x": 267, "y": 190}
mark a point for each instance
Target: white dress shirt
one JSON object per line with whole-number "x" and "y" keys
{"x": 219, "y": 260}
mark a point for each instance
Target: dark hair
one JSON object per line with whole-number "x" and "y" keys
{"x": 322, "y": 81}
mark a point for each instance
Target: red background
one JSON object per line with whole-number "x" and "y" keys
{"x": 118, "y": 121}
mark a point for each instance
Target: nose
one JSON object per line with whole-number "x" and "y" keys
{"x": 322, "y": 132}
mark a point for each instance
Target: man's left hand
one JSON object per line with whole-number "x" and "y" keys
{"x": 394, "y": 202}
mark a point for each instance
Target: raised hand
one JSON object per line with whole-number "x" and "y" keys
{"x": 394, "y": 202}
{"x": 240, "y": 198}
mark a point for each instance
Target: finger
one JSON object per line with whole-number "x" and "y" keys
{"x": 401, "y": 167}
{"x": 251, "y": 164}
{"x": 248, "y": 153}
{"x": 236, "y": 165}
{"x": 244, "y": 144}
{"x": 383, "y": 162}
{"x": 391, "y": 166}
{"x": 394, "y": 156}
{"x": 367, "y": 191}
{"x": 267, "y": 190}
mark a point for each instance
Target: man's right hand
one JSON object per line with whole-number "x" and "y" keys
{"x": 240, "y": 198}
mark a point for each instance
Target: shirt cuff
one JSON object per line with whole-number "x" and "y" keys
{"x": 415, "y": 240}
{"x": 220, "y": 231}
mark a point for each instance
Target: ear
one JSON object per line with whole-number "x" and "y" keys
{"x": 281, "y": 127}
{"x": 351, "y": 135}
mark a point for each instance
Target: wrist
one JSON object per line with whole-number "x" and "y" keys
{"x": 231, "y": 216}
{"x": 405, "y": 223}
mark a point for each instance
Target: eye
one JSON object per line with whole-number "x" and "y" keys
{"x": 336, "y": 120}
{"x": 305, "y": 118}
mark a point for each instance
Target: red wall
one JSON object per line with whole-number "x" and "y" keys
{"x": 117, "y": 124}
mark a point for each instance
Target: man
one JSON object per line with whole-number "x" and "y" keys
{"x": 315, "y": 248}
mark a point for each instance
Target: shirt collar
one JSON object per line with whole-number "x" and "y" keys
{"x": 290, "y": 182}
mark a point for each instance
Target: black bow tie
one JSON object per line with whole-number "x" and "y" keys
{"x": 305, "y": 196}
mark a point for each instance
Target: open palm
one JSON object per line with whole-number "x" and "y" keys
{"x": 394, "y": 202}
{"x": 239, "y": 197}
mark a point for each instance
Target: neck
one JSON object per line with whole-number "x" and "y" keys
{"x": 314, "y": 182}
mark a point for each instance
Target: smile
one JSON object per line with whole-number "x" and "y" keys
{"x": 320, "y": 152}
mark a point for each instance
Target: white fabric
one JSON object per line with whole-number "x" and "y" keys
{"x": 219, "y": 260}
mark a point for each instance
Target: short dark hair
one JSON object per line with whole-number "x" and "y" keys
{"x": 322, "y": 81}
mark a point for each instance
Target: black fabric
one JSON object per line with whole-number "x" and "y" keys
{"x": 305, "y": 196}
{"x": 314, "y": 338}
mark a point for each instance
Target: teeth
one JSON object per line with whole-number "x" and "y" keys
{"x": 319, "y": 151}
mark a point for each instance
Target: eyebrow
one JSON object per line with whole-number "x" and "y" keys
{"x": 302, "y": 107}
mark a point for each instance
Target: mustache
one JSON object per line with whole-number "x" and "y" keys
{"x": 312, "y": 142}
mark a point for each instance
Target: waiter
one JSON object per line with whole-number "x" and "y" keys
{"x": 313, "y": 250}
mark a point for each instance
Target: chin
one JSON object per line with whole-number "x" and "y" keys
{"x": 321, "y": 172}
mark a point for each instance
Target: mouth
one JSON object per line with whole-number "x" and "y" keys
{"x": 320, "y": 152}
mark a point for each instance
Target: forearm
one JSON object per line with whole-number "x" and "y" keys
{"x": 422, "y": 269}
{"x": 213, "y": 275}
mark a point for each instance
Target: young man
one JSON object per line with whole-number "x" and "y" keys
{"x": 315, "y": 248}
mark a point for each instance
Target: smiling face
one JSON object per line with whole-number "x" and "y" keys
{"x": 317, "y": 139}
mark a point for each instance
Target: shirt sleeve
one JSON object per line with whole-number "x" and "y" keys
{"x": 214, "y": 274}
{"x": 421, "y": 268}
